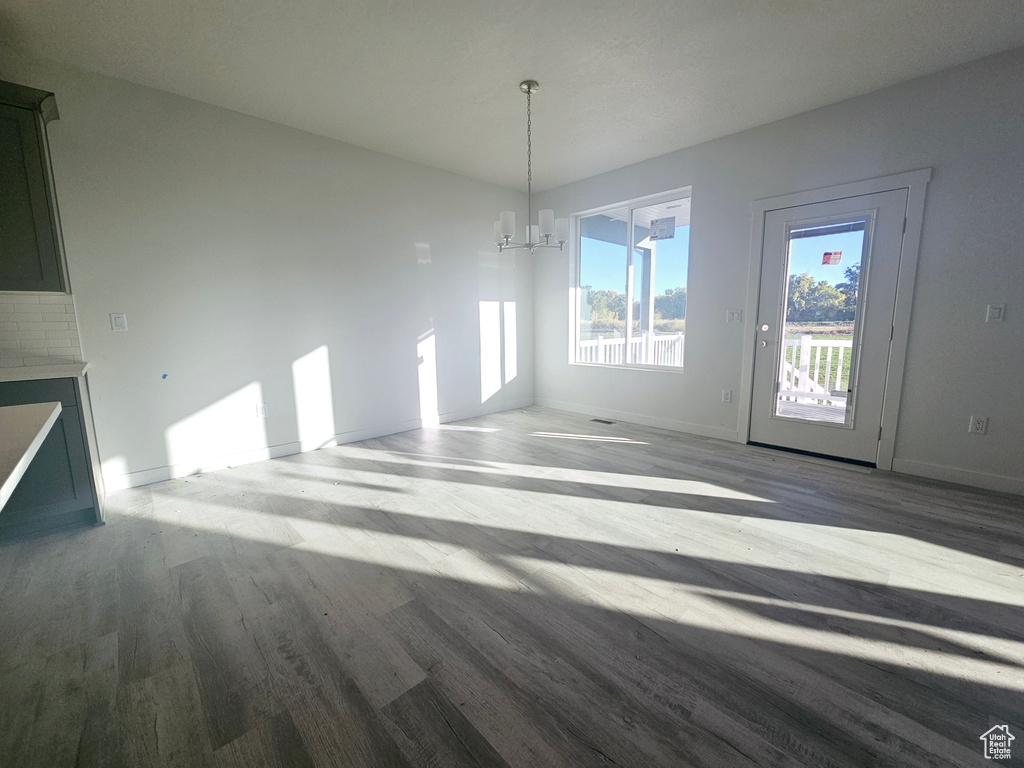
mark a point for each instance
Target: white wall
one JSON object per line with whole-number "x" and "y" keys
{"x": 257, "y": 263}
{"x": 968, "y": 125}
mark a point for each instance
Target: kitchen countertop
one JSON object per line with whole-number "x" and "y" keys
{"x": 36, "y": 372}
{"x": 22, "y": 430}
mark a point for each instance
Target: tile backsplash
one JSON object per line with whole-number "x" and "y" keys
{"x": 37, "y": 329}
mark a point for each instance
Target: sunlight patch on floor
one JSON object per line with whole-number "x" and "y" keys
{"x": 757, "y": 541}
{"x": 592, "y": 438}
{"x": 699, "y": 607}
{"x": 592, "y": 477}
{"x": 664, "y": 600}
{"x": 464, "y": 428}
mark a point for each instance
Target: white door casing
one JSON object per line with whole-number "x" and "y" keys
{"x": 872, "y": 443}
{"x": 798, "y": 423}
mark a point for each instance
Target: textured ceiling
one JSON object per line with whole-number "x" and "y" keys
{"x": 435, "y": 81}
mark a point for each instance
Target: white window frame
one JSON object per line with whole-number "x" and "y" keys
{"x": 574, "y": 277}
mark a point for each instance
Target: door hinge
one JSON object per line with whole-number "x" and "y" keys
{"x": 892, "y": 330}
{"x": 879, "y": 433}
{"x": 904, "y": 225}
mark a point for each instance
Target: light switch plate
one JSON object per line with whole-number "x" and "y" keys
{"x": 734, "y": 316}
{"x": 118, "y": 321}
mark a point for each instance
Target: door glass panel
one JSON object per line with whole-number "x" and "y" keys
{"x": 817, "y": 360}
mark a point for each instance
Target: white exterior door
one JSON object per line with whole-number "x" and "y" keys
{"x": 824, "y": 324}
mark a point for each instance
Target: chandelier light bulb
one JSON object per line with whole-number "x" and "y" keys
{"x": 546, "y": 220}
{"x": 508, "y": 223}
{"x": 561, "y": 231}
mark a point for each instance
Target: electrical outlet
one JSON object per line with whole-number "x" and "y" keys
{"x": 995, "y": 313}
{"x": 261, "y": 410}
{"x": 978, "y": 425}
{"x": 726, "y": 395}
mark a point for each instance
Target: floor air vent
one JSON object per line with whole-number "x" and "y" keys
{"x": 603, "y": 421}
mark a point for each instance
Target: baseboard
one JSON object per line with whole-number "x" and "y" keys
{"x": 962, "y": 476}
{"x": 212, "y": 464}
{"x": 355, "y": 435}
{"x": 484, "y": 410}
{"x": 647, "y": 421}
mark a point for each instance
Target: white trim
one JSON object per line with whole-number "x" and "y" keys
{"x": 639, "y": 202}
{"x": 677, "y": 369}
{"x": 115, "y": 483}
{"x": 214, "y": 463}
{"x": 647, "y": 421}
{"x": 483, "y": 410}
{"x": 574, "y": 289}
{"x": 915, "y": 182}
{"x": 962, "y": 476}
{"x": 916, "y": 187}
{"x": 574, "y": 267}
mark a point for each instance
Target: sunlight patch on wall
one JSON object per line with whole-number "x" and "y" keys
{"x": 314, "y": 403}
{"x": 490, "y": 349}
{"x": 509, "y": 339}
{"x": 227, "y": 431}
{"x": 426, "y": 369}
{"x": 115, "y": 474}
{"x": 423, "y": 253}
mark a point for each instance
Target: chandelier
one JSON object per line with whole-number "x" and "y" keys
{"x": 548, "y": 232}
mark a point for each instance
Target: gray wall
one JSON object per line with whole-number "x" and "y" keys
{"x": 968, "y": 125}
{"x": 238, "y": 247}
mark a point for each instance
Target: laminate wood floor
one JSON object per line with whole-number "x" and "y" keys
{"x": 524, "y": 589}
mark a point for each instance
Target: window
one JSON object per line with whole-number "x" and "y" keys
{"x": 631, "y": 270}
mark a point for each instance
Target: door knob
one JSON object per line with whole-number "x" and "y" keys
{"x": 764, "y": 327}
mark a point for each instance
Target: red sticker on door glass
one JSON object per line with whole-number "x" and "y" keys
{"x": 831, "y": 257}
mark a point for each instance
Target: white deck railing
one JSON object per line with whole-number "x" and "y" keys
{"x": 813, "y": 371}
{"x": 662, "y": 349}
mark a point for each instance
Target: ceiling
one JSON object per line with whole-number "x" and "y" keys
{"x": 436, "y": 81}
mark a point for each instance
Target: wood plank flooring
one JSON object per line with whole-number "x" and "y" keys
{"x": 524, "y": 589}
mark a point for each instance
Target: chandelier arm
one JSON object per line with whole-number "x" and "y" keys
{"x": 513, "y": 247}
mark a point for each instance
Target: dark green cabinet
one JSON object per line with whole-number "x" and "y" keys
{"x": 30, "y": 258}
{"x": 57, "y": 490}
